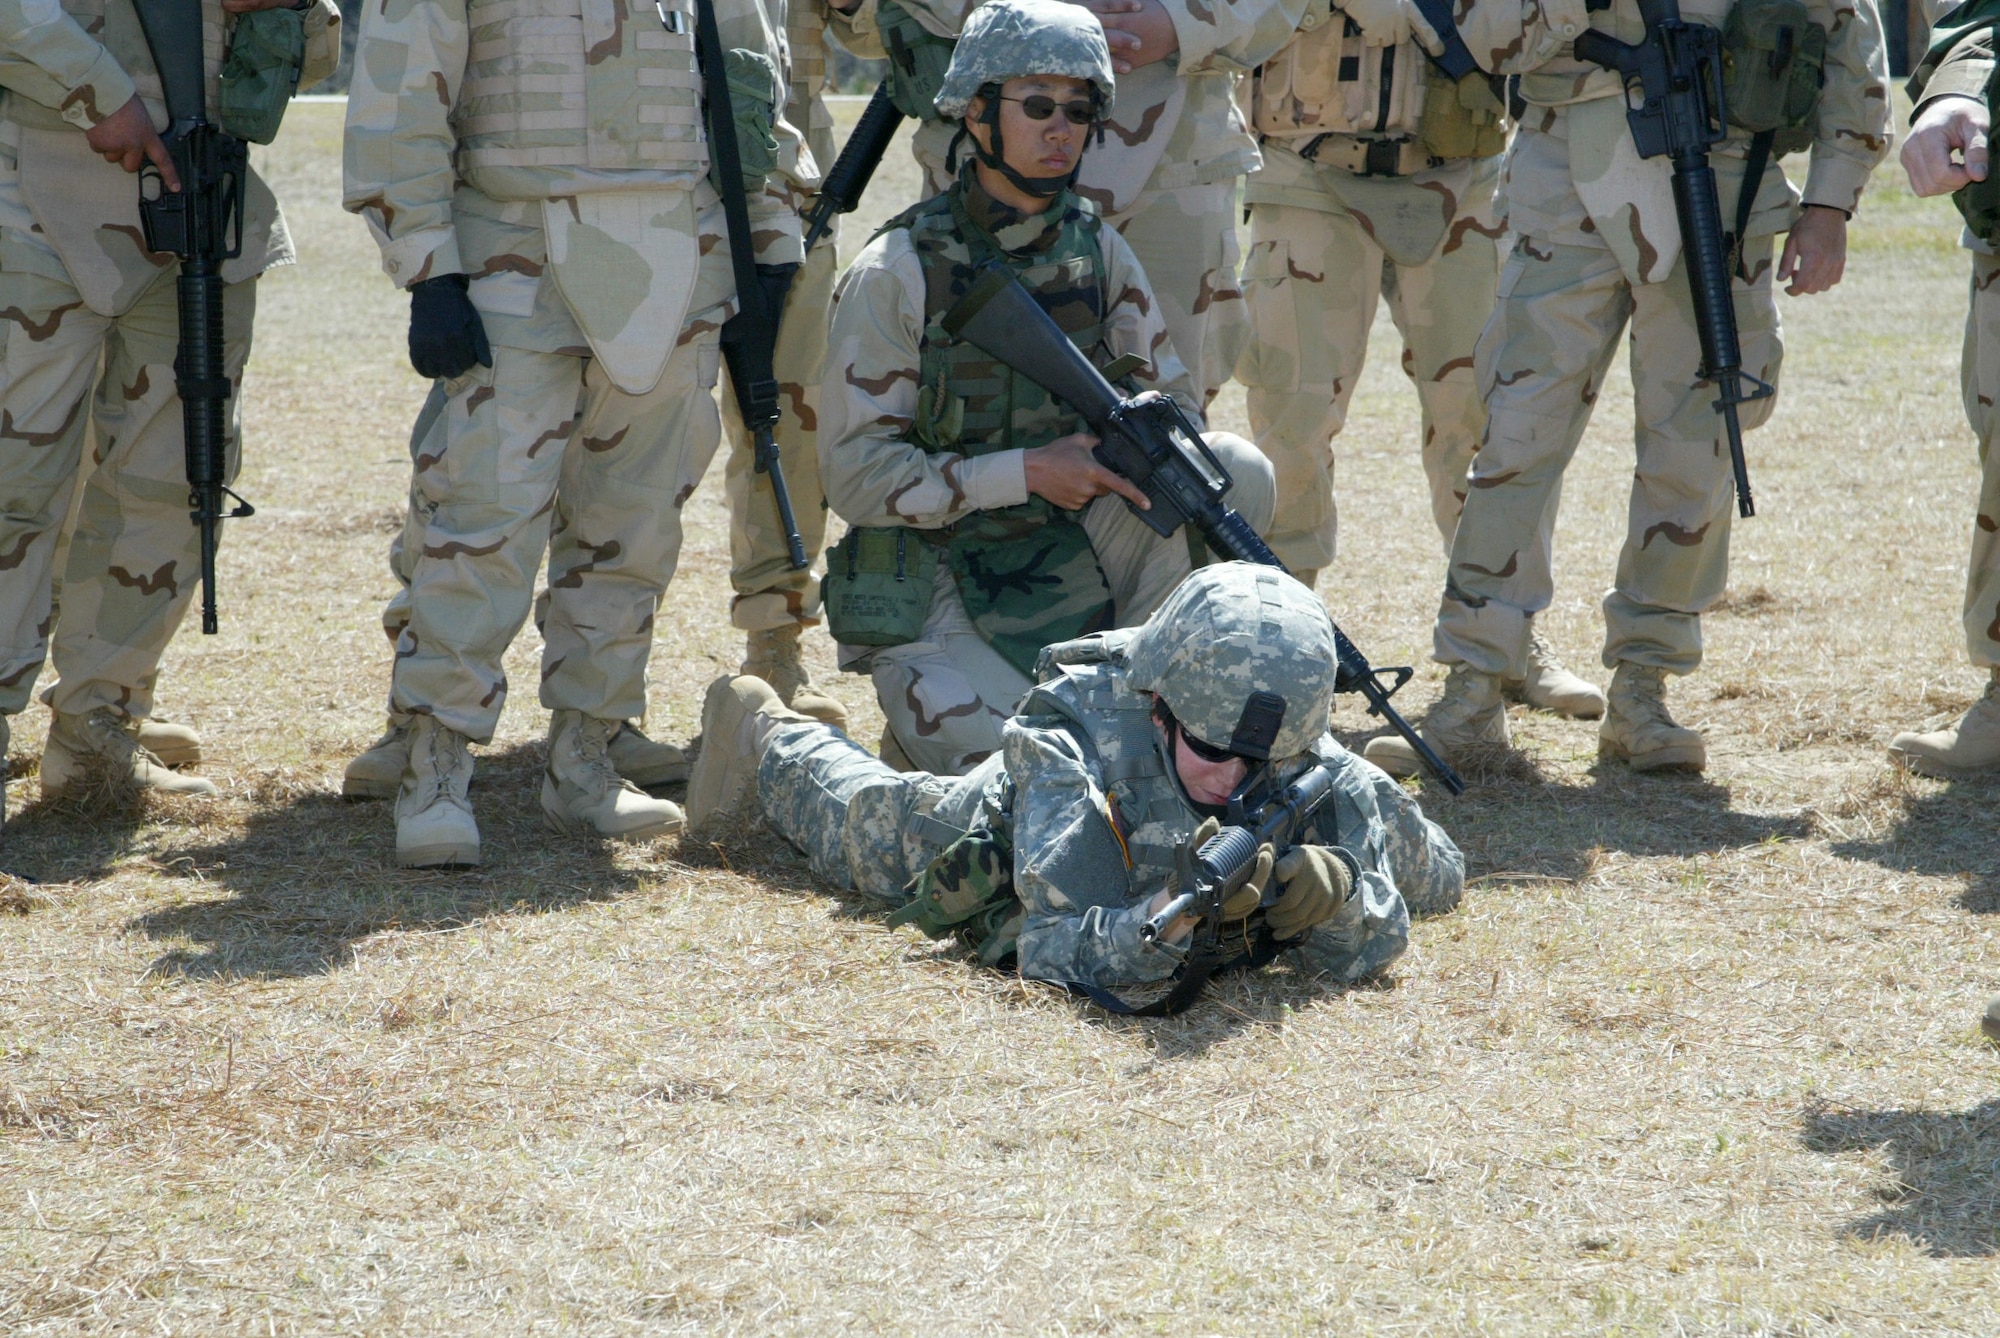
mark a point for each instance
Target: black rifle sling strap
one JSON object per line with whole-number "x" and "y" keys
{"x": 1754, "y": 163}
{"x": 728, "y": 167}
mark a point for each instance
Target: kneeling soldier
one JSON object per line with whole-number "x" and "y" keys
{"x": 1118, "y": 764}
{"x": 972, "y": 482}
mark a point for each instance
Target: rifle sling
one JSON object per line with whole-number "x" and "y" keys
{"x": 1754, "y": 163}
{"x": 729, "y": 167}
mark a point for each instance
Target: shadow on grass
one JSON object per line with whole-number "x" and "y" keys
{"x": 1526, "y": 825}
{"x": 309, "y": 877}
{"x": 1945, "y": 1195}
{"x": 1947, "y": 833}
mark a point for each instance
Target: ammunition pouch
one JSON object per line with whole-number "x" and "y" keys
{"x": 877, "y": 587}
{"x": 753, "y": 104}
{"x": 1773, "y": 63}
{"x": 968, "y": 892}
{"x": 918, "y": 59}
{"x": 267, "y": 48}
{"x": 1462, "y": 118}
{"x": 1330, "y": 82}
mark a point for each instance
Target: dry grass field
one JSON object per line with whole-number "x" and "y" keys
{"x": 1698, "y": 1055}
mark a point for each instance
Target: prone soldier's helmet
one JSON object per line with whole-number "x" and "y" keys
{"x": 1015, "y": 39}
{"x": 1243, "y": 655}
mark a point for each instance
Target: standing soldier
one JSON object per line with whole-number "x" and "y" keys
{"x": 1378, "y": 179}
{"x": 1599, "y": 246}
{"x": 774, "y": 602}
{"x": 1953, "y": 115}
{"x": 90, "y": 319}
{"x": 539, "y": 181}
{"x": 1165, "y": 169}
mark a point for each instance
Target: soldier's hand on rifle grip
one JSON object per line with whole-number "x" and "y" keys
{"x": 127, "y": 138}
{"x": 446, "y": 335}
{"x": 1248, "y": 897}
{"x": 1946, "y": 127}
{"x": 1316, "y": 882}
{"x": 1815, "y": 253}
{"x": 1066, "y": 473}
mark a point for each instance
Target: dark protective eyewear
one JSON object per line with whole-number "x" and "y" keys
{"x": 1208, "y": 752}
{"x": 1040, "y": 107}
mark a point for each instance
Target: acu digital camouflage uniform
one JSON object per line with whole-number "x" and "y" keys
{"x": 1331, "y": 232}
{"x": 91, "y": 330}
{"x": 1598, "y": 247}
{"x": 1960, "y": 63}
{"x": 554, "y": 153}
{"x": 924, "y": 432}
{"x": 1165, "y": 176}
{"x": 1094, "y": 811}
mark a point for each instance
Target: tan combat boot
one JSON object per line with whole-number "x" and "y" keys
{"x": 643, "y": 761}
{"x": 434, "y": 825}
{"x": 738, "y": 718}
{"x": 378, "y": 773}
{"x": 1470, "y": 713}
{"x": 890, "y": 750}
{"x": 175, "y": 745}
{"x": 1637, "y": 728}
{"x": 1549, "y": 686}
{"x": 773, "y": 656}
{"x": 581, "y": 788}
{"x": 1964, "y": 749}
{"x": 103, "y": 748}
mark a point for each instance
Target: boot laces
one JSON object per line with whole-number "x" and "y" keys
{"x": 1644, "y": 700}
{"x": 593, "y": 754}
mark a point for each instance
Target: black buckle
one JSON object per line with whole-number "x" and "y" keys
{"x": 1384, "y": 158}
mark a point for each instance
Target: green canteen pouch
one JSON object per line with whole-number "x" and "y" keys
{"x": 877, "y": 587}
{"x": 1979, "y": 203}
{"x": 1461, "y": 118}
{"x": 918, "y": 59}
{"x": 753, "y": 103}
{"x": 1773, "y": 62}
{"x": 267, "y": 47}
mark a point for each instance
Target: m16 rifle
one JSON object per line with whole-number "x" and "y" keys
{"x": 1259, "y": 814}
{"x": 1677, "y": 71}
{"x": 1150, "y": 441}
{"x": 841, "y": 192}
{"x": 750, "y": 337}
{"x": 202, "y": 224}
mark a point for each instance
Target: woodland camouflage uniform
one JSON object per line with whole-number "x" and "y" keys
{"x": 1598, "y": 247}
{"x": 576, "y": 198}
{"x": 1960, "y": 63}
{"x": 1165, "y": 176}
{"x": 1331, "y": 233}
{"x": 889, "y": 457}
{"x": 91, "y": 329}
{"x": 1086, "y": 790}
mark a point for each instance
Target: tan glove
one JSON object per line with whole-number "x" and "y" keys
{"x": 1316, "y": 882}
{"x": 1382, "y": 22}
{"x": 1244, "y": 899}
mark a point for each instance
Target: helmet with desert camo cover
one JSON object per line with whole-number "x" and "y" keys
{"x": 1243, "y": 655}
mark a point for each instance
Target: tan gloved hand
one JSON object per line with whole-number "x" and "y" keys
{"x": 1316, "y": 882}
{"x": 1382, "y": 22}
{"x": 1245, "y": 898}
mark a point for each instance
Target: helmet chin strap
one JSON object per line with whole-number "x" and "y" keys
{"x": 1041, "y": 187}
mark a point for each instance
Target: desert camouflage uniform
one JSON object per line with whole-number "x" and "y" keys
{"x": 1085, "y": 785}
{"x": 947, "y": 695}
{"x": 1598, "y": 247}
{"x": 1330, "y": 234}
{"x": 91, "y": 329}
{"x": 1962, "y": 65}
{"x": 769, "y": 594}
{"x": 1165, "y": 176}
{"x": 576, "y": 197}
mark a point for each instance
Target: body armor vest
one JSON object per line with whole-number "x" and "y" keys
{"x": 1026, "y": 573}
{"x": 579, "y": 84}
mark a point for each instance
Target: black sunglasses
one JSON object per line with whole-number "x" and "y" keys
{"x": 1201, "y": 748}
{"x": 1040, "y": 107}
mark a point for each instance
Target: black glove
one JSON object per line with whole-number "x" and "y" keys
{"x": 446, "y": 336}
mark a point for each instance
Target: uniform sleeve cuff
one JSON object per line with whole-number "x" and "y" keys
{"x": 776, "y": 238}
{"x": 421, "y": 255}
{"x": 104, "y": 88}
{"x": 994, "y": 481}
{"x": 1964, "y": 77}
{"x": 1836, "y": 183}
